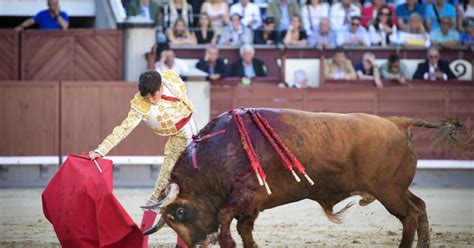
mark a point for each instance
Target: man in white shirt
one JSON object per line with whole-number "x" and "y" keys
{"x": 168, "y": 61}
{"x": 353, "y": 34}
{"x": 340, "y": 14}
{"x": 249, "y": 12}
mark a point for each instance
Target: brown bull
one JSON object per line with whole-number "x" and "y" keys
{"x": 345, "y": 155}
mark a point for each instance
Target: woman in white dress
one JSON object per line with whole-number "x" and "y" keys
{"x": 312, "y": 13}
{"x": 382, "y": 31}
{"x": 218, "y": 11}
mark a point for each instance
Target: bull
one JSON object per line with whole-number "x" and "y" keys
{"x": 345, "y": 154}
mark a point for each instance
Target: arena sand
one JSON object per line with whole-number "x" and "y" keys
{"x": 301, "y": 224}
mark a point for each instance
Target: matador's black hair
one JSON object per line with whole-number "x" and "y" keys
{"x": 149, "y": 83}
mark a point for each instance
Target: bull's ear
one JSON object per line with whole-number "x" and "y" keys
{"x": 187, "y": 188}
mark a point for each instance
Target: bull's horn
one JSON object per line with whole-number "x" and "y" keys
{"x": 172, "y": 192}
{"x": 161, "y": 223}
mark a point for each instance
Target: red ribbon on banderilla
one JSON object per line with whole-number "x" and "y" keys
{"x": 289, "y": 159}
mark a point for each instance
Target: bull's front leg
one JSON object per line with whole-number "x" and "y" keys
{"x": 225, "y": 218}
{"x": 245, "y": 227}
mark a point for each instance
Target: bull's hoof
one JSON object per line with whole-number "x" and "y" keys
{"x": 366, "y": 199}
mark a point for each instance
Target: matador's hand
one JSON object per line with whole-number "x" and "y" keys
{"x": 94, "y": 155}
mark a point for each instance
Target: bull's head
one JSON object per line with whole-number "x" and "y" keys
{"x": 187, "y": 215}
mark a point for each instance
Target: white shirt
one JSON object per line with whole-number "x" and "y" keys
{"x": 337, "y": 15}
{"x": 249, "y": 13}
{"x": 312, "y": 16}
{"x": 178, "y": 66}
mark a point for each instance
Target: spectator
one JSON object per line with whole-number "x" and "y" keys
{"x": 312, "y": 13}
{"x": 51, "y": 18}
{"x": 467, "y": 38}
{"x": 301, "y": 80}
{"x": 218, "y": 11}
{"x": 235, "y": 34}
{"x": 405, "y": 10}
{"x": 323, "y": 37}
{"x": 415, "y": 35}
{"x": 394, "y": 69}
{"x": 266, "y": 35}
{"x": 353, "y": 34}
{"x": 249, "y": 12}
{"x": 180, "y": 35}
{"x": 339, "y": 67}
{"x": 178, "y": 9}
{"x": 212, "y": 64}
{"x": 295, "y": 35}
{"x": 248, "y": 66}
{"x": 168, "y": 61}
{"x": 468, "y": 10}
{"x": 205, "y": 34}
{"x": 370, "y": 13}
{"x": 146, "y": 8}
{"x": 282, "y": 11}
{"x": 446, "y": 37}
{"x": 341, "y": 13}
{"x": 367, "y": 69}
{"x": 436, "y": 10}
{"x": 434, "y": 68}
{"x": 382, "y": 30}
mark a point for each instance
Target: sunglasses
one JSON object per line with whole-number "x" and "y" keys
{"x": 433, "y": 56}
{"x": 385, "y": 14}
{"x": 356, "y": 24}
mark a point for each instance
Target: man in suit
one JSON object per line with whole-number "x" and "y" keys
{"x": 248, "y": 66}
{"x": 212, "y": 64}
{"x": 147, "y": 9}
{"x": 434, "y": 68}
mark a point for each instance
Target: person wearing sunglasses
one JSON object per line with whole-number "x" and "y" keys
{"x": 394, "y": 69}
{"x": 370, "y": 12}
{"x": 433, "y": 68}
{"x": 353, "y": 34}
{"x": 382, "y": 30}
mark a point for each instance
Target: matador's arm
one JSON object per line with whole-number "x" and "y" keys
{"x": 120, "y": 132}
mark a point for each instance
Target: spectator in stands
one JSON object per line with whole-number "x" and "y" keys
{"x": 435, "y": 11}
{"x": 434, "y": 68}
{"x": 353, "y": 34}
{"x": 341, "y": 13}
{"x": 367, "y": 69}
{"x": 146, "y": 8}
{"x": 415, "y": 35}
{"x": 168, "y": 61}
{"x": 468, "y": 10}
{"x": 394, "y": 69}
{"x": 218, "y": 11}
{"x": 248, "y": 66}
{"x": 180, "y": 34}
{"x": 178, "y": 9}
{"x": 382, "y": 30}
{"x": 371, "y": 12}
{"x": 405, "y": 10}
{"x": 282, "y": 11}
{"x": 339, "y": 67}
{"x": 266, "y": 35}
{"x": 249, "y": 12}
{"x": 312, "y": 13}
{"x": 205, "y": 34}
{"x": 446, "y": 36}
{"x": 295, "y": 34}
{"x": 323, "y": 37}
{"x": 467, "y": 38}
{"x": 212, "y": 64}
{"x": 51, "y": 18}
{"x": 236, "y": 34}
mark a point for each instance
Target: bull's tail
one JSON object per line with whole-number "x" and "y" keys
{"x": 336, "y": 217}
{"x": 447, "y": 130}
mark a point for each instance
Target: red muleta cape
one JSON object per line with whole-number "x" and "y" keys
{"x": 78, "y": 201}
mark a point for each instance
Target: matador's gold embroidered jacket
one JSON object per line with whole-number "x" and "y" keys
{"x": 162, "y": 117}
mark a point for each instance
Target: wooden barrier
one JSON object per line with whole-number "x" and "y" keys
{"x": 72, "y": 55}
{"x": 419, "y": 101}
{"x": 89, "y": 112}
{"x": 29, "y": 123}
{"x": 9, "y": 55}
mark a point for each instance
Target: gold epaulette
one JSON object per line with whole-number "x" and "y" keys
{"x": 140, "y": 104}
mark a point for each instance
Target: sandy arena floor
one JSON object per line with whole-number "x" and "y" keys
{"x": 302, "y": 224}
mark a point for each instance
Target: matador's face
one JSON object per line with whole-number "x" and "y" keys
{"x": 155, "y": 98}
